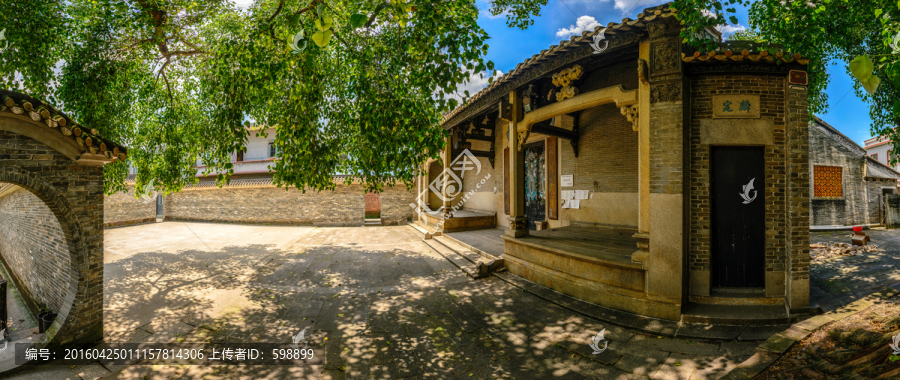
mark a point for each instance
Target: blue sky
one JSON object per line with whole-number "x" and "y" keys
{"x": 511, "y": 46}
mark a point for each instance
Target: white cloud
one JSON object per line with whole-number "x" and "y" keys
{"x": 583, "y": 23}
{"x": 708, "y": 13}
{"x": 244, "y": 4}
{"x": 621, "y": 4}
{"x": 474, "y": 84}
{"x": 730, "y": 29}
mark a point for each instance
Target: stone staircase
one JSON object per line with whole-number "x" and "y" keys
{"x": 470, "y": 260}
{"x": 745, "y": 307}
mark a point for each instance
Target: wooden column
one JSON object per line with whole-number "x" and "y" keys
{"x": 517, "y": 220}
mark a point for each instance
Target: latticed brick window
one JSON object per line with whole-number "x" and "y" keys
{"x": 827, "y": 181}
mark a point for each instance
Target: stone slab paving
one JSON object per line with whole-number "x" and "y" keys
{"x": 379, "y": 304}
{"x": 840, "y": 281}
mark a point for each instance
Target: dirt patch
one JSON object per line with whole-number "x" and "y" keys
{"x": 823, "y": 251}
{"x": 856, "y": 347}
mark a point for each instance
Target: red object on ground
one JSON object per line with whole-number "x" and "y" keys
{"x": 857, "y": 229}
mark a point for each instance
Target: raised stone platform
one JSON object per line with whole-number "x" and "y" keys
{"x": 590, "y": 264}
{"x": 462, "y": 220}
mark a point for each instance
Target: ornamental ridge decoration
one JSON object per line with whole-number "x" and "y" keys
{"x": 503, "y": 90}
{"x": 667, "y": 26}
{"x": 665, "y": 58}
{"x": 669, "y": 92}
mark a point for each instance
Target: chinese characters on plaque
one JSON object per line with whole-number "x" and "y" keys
{"x": 735, "y": 106}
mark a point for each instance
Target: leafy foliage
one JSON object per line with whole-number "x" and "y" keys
{"x": 859, "y": 34}
{"x": 177, "y": 81}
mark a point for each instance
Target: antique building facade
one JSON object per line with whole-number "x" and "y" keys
{"x": 848, "y": 185}
{"x": 625, "y": 173}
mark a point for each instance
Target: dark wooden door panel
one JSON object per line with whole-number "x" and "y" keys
{"x": 535, "y": 193}
{"x": 738, "y": 216}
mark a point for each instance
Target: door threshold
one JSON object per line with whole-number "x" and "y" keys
{"x": 739, "y": 290}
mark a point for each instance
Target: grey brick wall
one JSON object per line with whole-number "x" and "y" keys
{"x": 123, "y": 209}
{"x": 74, "y": 194}
{"x": 829, "y": 149}
{"x": 345, "y": 206}
{"x": 771, "y": 89}
{"x": 33, "y": 247}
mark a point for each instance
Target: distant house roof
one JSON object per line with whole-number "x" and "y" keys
{"x": 873, "y": 167}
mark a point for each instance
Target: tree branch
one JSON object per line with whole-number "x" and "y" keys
{"x": 375, "y": 13}
{"x": 277, "y": 11}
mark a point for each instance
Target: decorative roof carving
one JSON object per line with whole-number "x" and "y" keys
{"x": 577, "y": 47}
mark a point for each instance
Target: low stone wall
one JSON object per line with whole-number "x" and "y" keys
{"x": 260, "y": 202}
{"x": 34, "y": 249}
{"x": 122, "y": 209}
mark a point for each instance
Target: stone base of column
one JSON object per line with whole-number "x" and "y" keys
{"x": 643, "y": 244}
{"x": 517, "y": 227}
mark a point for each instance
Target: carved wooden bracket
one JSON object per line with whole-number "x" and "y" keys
{"x": 523, "y": 136}
{"x": 631, "y": 113}
{"x": 642, "y": 70}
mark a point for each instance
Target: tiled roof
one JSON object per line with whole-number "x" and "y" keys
{"x": 38, "y": 111}
{"x": 745, "y": 51}
{"x": 576, "y": 41}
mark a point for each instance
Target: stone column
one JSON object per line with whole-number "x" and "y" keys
{"x": 447, "y": 155}
{"x": 643, "y": 131}
{"x": 666, "y": 145}
{"x": 517, "y": 222}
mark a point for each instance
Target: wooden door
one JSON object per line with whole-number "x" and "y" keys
{"x": 535, "y": 194}
{"x": 738, "y": 217}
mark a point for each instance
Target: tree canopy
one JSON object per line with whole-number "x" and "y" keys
{"x": 353, "y": 87}
{"x": 863, "y": 35}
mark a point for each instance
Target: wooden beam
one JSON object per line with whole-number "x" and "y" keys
{"x": 545, "y": 128}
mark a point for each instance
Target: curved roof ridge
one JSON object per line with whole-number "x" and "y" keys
{"x": 649, "y": 14}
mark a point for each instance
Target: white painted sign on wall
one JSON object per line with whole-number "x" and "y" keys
{"x": 567, "y": 180}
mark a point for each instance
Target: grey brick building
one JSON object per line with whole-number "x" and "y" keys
{"x": 848, "y": 186}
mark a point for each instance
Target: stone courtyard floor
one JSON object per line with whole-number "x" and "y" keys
{"x": 380, "y": 304}
{"x": 839, "y": 281}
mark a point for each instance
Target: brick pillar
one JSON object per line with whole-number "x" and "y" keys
{"x": 666, "y": 161}
{"x": 517, "y": 220}
{"x": 797, "y": 245}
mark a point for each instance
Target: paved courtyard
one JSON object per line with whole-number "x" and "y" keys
{"x": 839, "y": 281}
{"x": 380, "y": 305}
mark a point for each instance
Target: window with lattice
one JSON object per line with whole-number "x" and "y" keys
{"x": 827, "y": 182}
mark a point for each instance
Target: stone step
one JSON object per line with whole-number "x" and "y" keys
{"x": 483, "y": 265}
{"x": 456, "y": 259}
{"x": 486, "y": 255}
{"x": 745, "y": 315}
{"x": 372, "y": 222}
{"x": 726, "y": 298}
{"x": 473, "y": 257}
{"x": 417, "y": 227}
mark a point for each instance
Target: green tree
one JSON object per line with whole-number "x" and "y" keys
{"x": 352, "y": 86}
{"x": 864, "y": 35}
